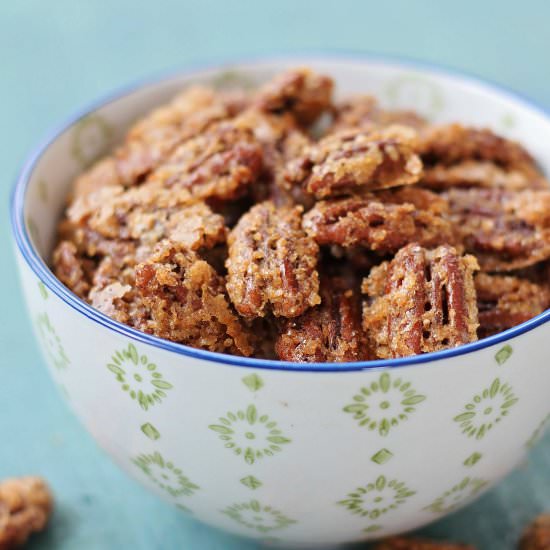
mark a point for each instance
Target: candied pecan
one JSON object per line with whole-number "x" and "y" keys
{"x": 281, "y": 140}
{"x": 25, "y": 507}
{"x": 405, "y": 543}
{"x": 187, "y": 301}
{"x": 455, "y": 143}
{"x": 72, "y": 269}
{"x": 378, "y": 226}
{"x": 153, "y": 138}
{"x": 272, "y": 263}
{"x": 537, "y": 535}
{"x": 476, "y": 173}
{"x": 505, "y": 230}
{"x": 300, "y": 92}
{"x": 329, "y": 332}
{"x": 504, "y": 302}
{"x": 354, "y": 161}
{"x": 421, "y": 301}
{"x": 364, "y": 112}
{"x": 150, "y": 213}
{"x": 221, "y": 163}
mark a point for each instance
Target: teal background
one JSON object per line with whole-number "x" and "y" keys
{"x": 56, "y": 56}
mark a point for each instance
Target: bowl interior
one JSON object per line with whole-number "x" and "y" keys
{"x": 437, "y": 95}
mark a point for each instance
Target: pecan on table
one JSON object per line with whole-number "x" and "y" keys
{"x": 406, "y": 543}
{"x": 272, "y": 263}
{"x": 421, "y": 301}
{"x": 537, "y": 534}
{"x": 25, "y": 507}
{"x": 354, "y": 161}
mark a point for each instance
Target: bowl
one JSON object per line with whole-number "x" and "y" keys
{"x": 316, "y": 454}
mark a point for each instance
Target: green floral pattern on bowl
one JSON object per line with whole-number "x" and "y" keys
{"x": 138, "y": 376}
{"x": 257, "y": 516}
{"x": 384, "y": 404}
{"x": 249, "y": 434}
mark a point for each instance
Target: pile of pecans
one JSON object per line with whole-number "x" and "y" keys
{"x": 279, "y": 224}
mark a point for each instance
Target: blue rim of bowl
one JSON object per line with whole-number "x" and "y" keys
{"x": 41, "y": 270}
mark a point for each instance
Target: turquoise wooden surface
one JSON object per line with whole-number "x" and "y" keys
{"x": 56, "y": 56}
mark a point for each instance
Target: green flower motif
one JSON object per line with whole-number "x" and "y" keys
{"x": 33, "y": 231}
{"x": 384, "y": 404}
{"x": 486, "y": 409}
{"x": 51, "y": 343}
{"x": 251, "y": 482}
{"x": 253, "y": 382}
{"x": 42, "y": 189}
{"x": 233, "y": 79}
{"x": 537, "y": 434}
{"x": 503, "y": 354}
{"x": 454, "y": 497}
{"x": 91, "y": 135}
{"x": 256, "y": 516}
{"x": 165, "y": 474}
{"x": 377, "y": 498}
{"x": 407, "y": 91}
{"x": 249, "y": 434}
{"x": 138, "y": 376}
{"x": 42, "y": 290}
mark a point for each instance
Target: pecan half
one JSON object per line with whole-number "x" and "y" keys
{"x": 476, "y": 173}
{"x": 329, "y": 332}
{"x": 301, "y": 92}
{"x": 504, "y": 302}
{"x": 537, "y": 534}
{"x": 405, "y": 543}
{"x": 187, "y": 302}
{"x": 151, "y": 140}
{"x": 454, "y": 143}
{"x": 377, "y": 226}
{"x": 421, "y": 301}
{"x": 272, "y": 263}
{"x": 365, "y": 112}
{"x": 25, "y": 507}
{"x": 220, "y": 163}
{"x": 355, "y": 161}
{"x": 505, "y": 230}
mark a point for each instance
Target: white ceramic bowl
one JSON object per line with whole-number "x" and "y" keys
{"x": 297, "y": 454}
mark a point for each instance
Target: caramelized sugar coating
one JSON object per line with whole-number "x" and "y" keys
{"x": 151, "y": 140}
{"x": 329, "y": 332}
{"x": 354, "y": 161}
{"x": 147, "y": 214}
{"x": 537, "y": 535}
{"x": 481, "y": 173}
{"x": 505, "y": 301}
{"x": 220, "y": 163}
{"x": 272, "y": 263}
{"x": 214, "y": 220}
{"x": 406, "y": 543}
{"x": 364, "y": 112}
{"x": 454, "y": 143}
{"x": 25, "y": 508}
{"x": 421, "y": 301}
{"x": 187, "y": 302}
{"x": 505, "y": 230}
{"x": 376, "y": 225}
{"x": 300, "y": 92}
